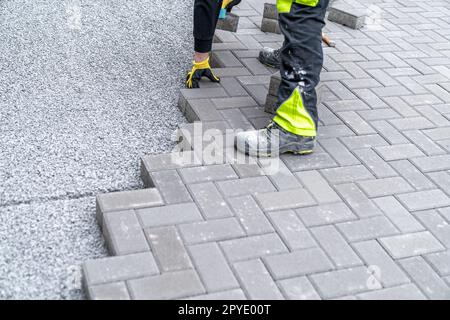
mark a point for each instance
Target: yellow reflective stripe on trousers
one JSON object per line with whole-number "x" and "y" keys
{"x": 293, "y": 116}
{"x": 284, "y": 6}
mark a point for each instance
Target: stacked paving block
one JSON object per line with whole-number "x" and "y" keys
{"x": 272, "y": 97}
{"x": 347, "y": 15}
{"x": 230, "y": 23}
{"x": 270, "y": 19}
{"x": 270, "y": 24}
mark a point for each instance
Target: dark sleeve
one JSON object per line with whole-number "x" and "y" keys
{"x": 206, "y": 14}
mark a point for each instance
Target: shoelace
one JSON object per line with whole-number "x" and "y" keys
{"x": 268, "y": 131}
{"x": 277, "y": 54}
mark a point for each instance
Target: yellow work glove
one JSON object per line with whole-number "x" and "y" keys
{"x": 200, "y": 70}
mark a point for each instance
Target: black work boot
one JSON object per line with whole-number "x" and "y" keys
{"x": 272, "y": 141}
{"x": 270, "y": 57}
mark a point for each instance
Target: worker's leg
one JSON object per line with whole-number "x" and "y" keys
{"x": 206, "y": 14}
{"x": 301, "y": 64}
{"x": 294, "y": 127}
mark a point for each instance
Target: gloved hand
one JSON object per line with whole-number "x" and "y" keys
{"x": 200, "y": 70}
{"x": 227, "y": 6}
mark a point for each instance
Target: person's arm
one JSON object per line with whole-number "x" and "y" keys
{"x": 206, "y": 14}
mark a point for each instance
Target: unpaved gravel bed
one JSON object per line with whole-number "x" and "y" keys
{"x": 86, "y": 88}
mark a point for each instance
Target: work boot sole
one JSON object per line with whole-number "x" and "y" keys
{"x": 293, "y": 148}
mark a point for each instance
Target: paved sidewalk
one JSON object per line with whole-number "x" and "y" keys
{"x": 365, "y": 217}
{"x": 86, "y": 88}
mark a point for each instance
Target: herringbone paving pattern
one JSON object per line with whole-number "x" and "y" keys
{"x": 364, "y": 217}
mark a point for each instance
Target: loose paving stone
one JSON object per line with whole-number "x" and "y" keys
{"x": 212, "y": 267}
{"x": 270, "y": 11}
{"x": 411, "y": 244}
{"x": 230, "y": 23}
{"x": 298, "y": 289}
{"x": 257, "y": 281}
{"x": 345, "y": 282}
{"x": 168, "y": 249}
{"x": 172, "y": 285}
{"x": 113, "y": 269}
{"x": 425, "y": 277}
{"x": 270, "y": 25}
{"x": 385, "y": 268}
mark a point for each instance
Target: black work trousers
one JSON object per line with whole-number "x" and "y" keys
{"x": 206, "y": 14}
{"x": 301, "y": 64}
